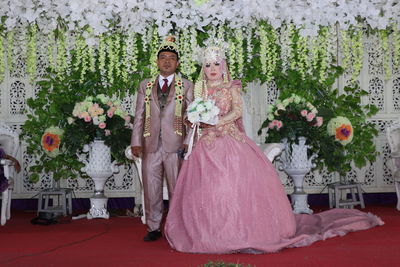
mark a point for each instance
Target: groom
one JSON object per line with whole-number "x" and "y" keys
{"x": 159, "y": 133}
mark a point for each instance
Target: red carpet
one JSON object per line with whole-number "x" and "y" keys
{"x": 118, "y": 242}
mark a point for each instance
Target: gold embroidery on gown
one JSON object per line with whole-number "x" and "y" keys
{"x": 229, "y": 101}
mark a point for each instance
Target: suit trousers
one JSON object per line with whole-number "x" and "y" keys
{"x": 154, "y": 167}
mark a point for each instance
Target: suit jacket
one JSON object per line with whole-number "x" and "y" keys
{"x": 161, "y": 122}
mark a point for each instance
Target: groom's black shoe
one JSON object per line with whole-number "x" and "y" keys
{"x": 152, "y": 236}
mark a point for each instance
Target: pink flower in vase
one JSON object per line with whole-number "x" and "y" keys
{"x": 320, "y": 121}
{"x": 304, "y": 113}
{"x": 279, "y": 125}
{"x": 87, "y": 119}
{"x": 102, "y": 125}
{"x": 310, "y": 116}
{"x": 110, "y": 114}
{"x": 270, "y": 125}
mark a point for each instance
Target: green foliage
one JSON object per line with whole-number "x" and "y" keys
{"x": 330, "y": 103}
{"x": 52, "y": 106}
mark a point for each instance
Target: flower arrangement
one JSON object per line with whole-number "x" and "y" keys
{"x": 329, "y": 123}
{"x": 292, "y": 117}
{"x": 51, "y": 140}
{"x": 341, "y": 128}
{"x": 99, "y": 113}
{"x": 66, "y": 115}
{"x": 201, "y": 110}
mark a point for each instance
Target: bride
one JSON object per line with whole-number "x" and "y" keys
{"x": 228, "y": 197}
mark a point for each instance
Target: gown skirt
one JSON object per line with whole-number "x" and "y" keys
{"x": 229, "y": 198}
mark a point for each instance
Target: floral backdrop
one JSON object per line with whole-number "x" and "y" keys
{"x": 116, "y": 33}
{"x": 118, "y": 38}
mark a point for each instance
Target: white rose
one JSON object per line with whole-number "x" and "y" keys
{"x": 193, "y": 117}
{"x": 200, "y": 108}
{"x": 208, "y": 105}
{"x": 70, "y": 120}
{"x": 96, "y": 120}
{"x": 205, "y": 117}
{"x": 280, "y": 106}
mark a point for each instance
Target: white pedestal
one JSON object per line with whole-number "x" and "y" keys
{"x": 299, "y": 203}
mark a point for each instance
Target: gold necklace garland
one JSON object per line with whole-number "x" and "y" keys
{"x": 178, "y": 105}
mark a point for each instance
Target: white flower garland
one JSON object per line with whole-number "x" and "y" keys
{"x": 31, "y": 54}
{"x": 151, "y": 19}
{"x": 396, "y": 48}
{"x": 249, "y": 45}
{"x": 239, "y": 52}
{"x": 50, "y": 49}
{"x": 358, "y": 52}
{"x": 386, "y": 53}
{"x": 10, "y": 50}
{"x": 153, "y": 52}
{"x": 2, "y": 59}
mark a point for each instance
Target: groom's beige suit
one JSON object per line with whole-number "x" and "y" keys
{"x": 159, "y": 150}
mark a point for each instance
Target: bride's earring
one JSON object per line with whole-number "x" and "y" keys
{"x": 224, "y": 74}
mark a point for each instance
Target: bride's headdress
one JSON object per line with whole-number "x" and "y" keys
{"x": 213, "y": 52}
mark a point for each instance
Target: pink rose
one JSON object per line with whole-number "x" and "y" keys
{"x": 304, "y": 113}
{"x": 320, "y": 121}
{"x": 279, "y": 125}
{"x": 310, "y": 116}
{"x": 102, "y": 125}
{"x": 88, "y": 118}
{"x": 270, "y": 125}
{"x": 110, "y": 114}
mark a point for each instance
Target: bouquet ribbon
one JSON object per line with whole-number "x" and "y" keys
{"x": 195, "y": 127}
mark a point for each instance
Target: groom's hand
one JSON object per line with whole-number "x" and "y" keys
{"x": 184, "y": 147}
{"x": 136, "y": 151}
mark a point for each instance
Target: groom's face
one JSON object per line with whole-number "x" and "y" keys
{"x": 167, "y": 63}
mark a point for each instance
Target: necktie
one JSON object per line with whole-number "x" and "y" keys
{"x": 165, "y": 86}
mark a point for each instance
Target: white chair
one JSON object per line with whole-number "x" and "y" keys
{"x": 9, "y": 142}
{"x": 393, "y": 136}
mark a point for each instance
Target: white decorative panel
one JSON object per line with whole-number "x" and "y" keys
{"x": 376, "y": 93}
{"x": 17, "y": 98}
{"x": 396, "y": 94}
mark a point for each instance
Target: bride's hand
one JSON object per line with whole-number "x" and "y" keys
{"x": 188, "y": 123}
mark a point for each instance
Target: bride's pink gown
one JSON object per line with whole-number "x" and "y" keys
{"x": 229, "y": 198}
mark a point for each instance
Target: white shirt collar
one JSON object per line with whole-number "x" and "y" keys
{"x": 169, "y": 78}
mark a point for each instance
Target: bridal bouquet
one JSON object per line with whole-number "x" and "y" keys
{"x": 203, "y": 110}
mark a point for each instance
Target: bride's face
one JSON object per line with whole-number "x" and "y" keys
{"x": 213, "y": 71}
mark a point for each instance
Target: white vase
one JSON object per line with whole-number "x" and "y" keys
{"x": 99, "y": 168}
{"x": 295, "y": 162}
